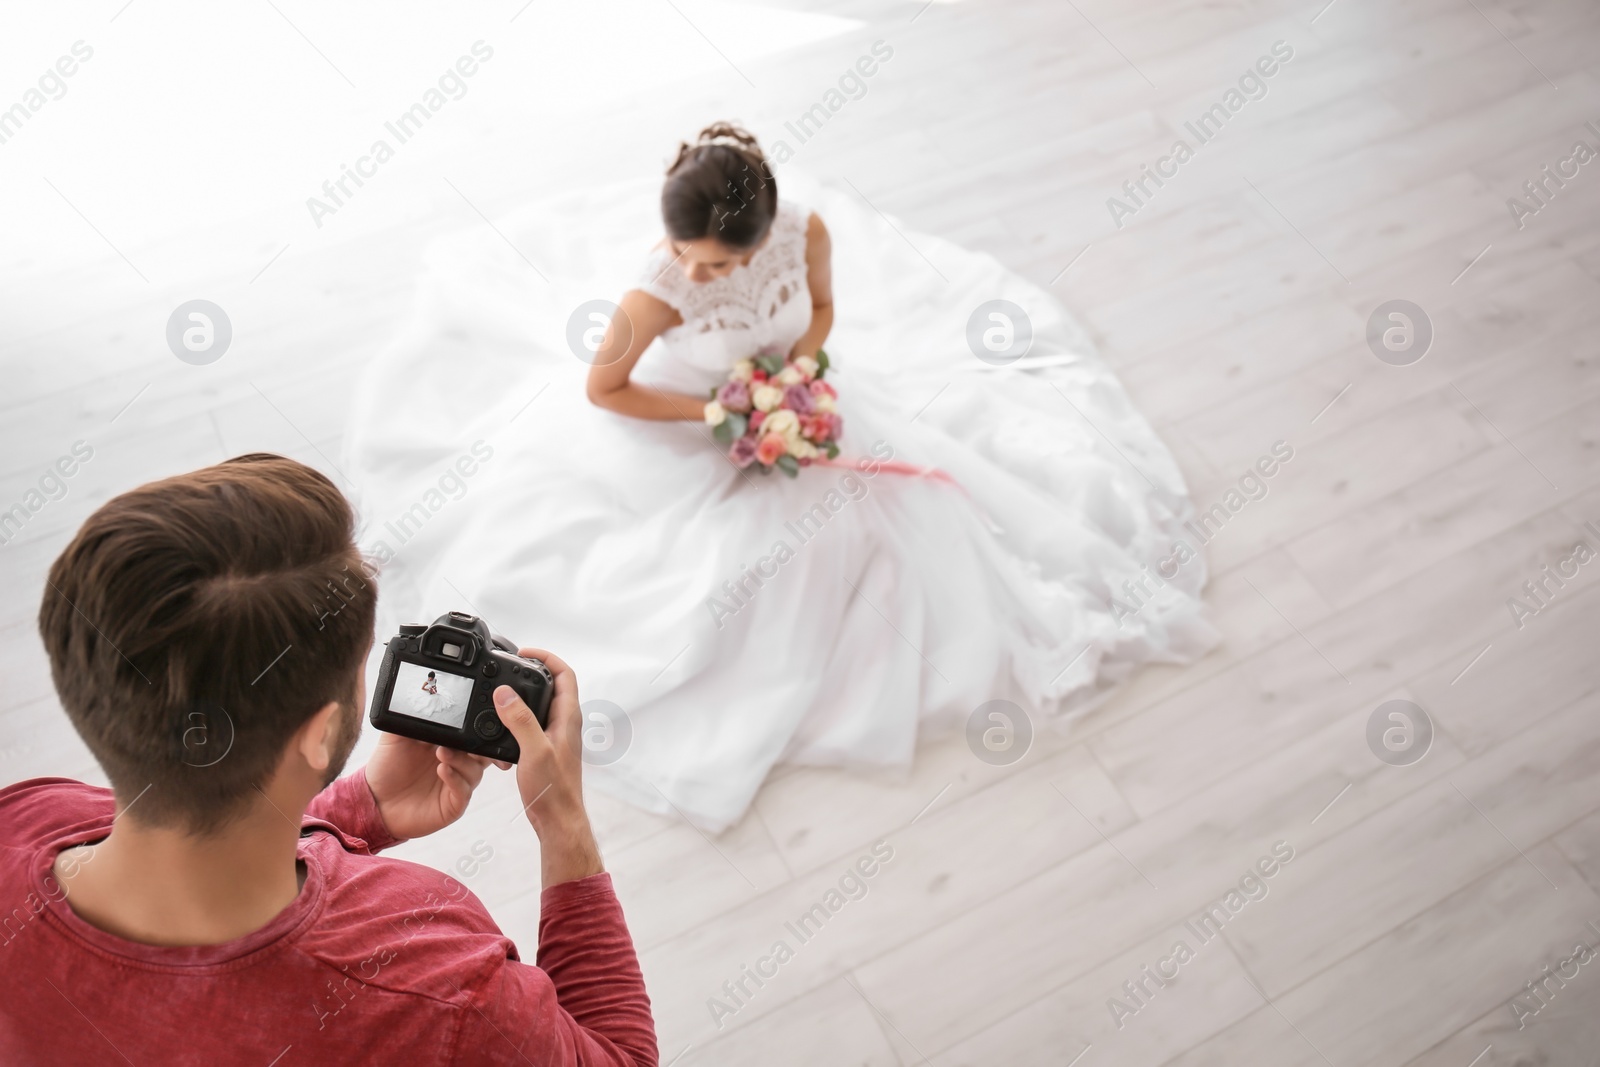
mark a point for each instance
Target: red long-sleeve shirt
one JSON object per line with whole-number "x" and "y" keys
{"x": 376, "y": 961}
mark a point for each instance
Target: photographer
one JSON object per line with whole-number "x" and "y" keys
{"x": 223, "y": 901}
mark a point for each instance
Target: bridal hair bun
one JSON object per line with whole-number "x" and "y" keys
{"x": 720, "y": 186}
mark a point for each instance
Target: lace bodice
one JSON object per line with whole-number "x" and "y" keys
{"x": 764, "y": 302}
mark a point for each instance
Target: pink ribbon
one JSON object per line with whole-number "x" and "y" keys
{"x": 893, "y": 466}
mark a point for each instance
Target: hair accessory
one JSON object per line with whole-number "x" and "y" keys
{"x": 726, "y": 141}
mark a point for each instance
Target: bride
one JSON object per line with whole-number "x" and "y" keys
{"x": 1001, "y": 521}
{"x": 426, "y": 702}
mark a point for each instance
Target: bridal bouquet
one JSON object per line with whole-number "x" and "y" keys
{"x": 776, "y": 412}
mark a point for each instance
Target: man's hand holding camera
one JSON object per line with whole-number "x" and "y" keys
{"x": 421, "y": 788}
{"x": 550, "y": 774}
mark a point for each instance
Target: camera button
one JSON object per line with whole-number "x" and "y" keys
{"x": 488, "y": 725}
{"x": 490, "y": 668}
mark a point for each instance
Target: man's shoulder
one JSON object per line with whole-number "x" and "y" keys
{"x": 403, "y": 925}
{"x": 40, "y": 809}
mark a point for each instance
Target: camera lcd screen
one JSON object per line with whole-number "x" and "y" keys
{"x": 424, "y": 693}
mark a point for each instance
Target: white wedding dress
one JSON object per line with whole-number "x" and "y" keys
{"x": 894, "y": 611}
{"x": 435, "y": 705}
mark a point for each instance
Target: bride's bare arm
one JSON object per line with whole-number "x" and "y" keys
{"x": 819, "y": 276}
{"x": 642, "y": 319}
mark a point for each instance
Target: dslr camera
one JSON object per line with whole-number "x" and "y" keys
{"x": 437, "y": 685}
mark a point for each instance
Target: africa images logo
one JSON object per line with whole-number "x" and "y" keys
{"x": 1205, "y": 128}
{"x": 405, "y": 126}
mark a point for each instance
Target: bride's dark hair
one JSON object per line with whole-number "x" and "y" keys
{"x": 721, "y": 186}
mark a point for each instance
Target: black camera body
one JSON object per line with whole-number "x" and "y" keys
{"x": 437, "y": 685}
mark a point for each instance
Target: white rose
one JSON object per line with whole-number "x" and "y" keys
{"x": 789, "y": 376}
{"x": 808, "y": 366}
{"x": 783, "y": 422}
{"x": 823, "y": 402}
{"x": 715, "y": 413}
{"x": 800, "y": 448}
{"x": 766, "y": 397}
{"x": 742, "y": 371}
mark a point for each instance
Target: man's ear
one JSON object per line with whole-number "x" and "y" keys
{"x": 318, "y": 739}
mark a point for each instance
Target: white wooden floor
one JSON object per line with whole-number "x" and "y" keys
{"x": 1421, "y": 900}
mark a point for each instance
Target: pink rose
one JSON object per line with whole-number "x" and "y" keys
{"x": 770, "y": 448}
{"x": 743, "y": 452}
{"x": 824, "y": 426}
{"x": 756, "y": 419}
{"x": 818, "y": 388}
{"x": 798, "y": 400}
{"x": 734, "y": 396}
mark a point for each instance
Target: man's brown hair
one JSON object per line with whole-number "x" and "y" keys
{"x": 194, "y": 624}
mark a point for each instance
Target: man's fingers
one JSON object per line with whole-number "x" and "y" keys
{"x": 458, "y": 791}
{"x": 556, "y": 664}
{"x": 462, "y": 758}
{"x": 465, "y": 764}
{"x": 517, "y": 716}
{"x": 564, "y": 700}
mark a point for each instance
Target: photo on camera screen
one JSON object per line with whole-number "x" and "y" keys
{"x": 424, "y": 693}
